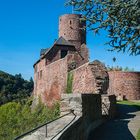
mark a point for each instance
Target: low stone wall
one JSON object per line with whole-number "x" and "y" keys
{"x": 109, "y": 106}
{"x": 71, "y": 102}
{"x": 91, "y": 115}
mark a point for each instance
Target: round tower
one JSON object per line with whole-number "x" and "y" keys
{"x": 71, "y": 28}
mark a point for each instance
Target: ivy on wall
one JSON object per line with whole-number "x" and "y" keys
{"x": 69, "y": 82}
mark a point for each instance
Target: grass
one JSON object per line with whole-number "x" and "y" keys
{"x": 138, "y": 135}
{"x": 135, "y": 104}
{"x": 132, "y": 103}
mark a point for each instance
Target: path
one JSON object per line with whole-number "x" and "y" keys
{"x": 125, "y": 127}
{"x": 54, "y": 129}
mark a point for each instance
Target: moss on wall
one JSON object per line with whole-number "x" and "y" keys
{"x": 69, "y": 82}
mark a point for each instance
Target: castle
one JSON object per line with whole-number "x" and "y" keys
{"x": 68, "y": 58}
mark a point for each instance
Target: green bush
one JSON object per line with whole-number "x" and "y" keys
{"x": 17, "y": 118}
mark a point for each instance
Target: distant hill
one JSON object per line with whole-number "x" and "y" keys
{"x": 14, "y": 88}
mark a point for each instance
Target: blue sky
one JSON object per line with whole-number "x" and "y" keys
{"x": 26, "y": 26}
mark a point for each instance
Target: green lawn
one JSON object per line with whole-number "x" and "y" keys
{"x": 138, "y": 135}
{"x": 137, "y": 105}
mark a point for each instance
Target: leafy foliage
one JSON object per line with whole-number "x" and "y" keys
{"x": 118, "y": 68}
{"x": 17, "y": 118}
{"x": 121, "y": 18}
{"x": 14, "y": 87}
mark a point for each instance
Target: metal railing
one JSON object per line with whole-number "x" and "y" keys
{"x": 45, "y": 124}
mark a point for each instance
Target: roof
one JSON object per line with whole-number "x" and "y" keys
{"x": 62, "y": 41}
{"x": 43, "y": 51}
{"x": 59, "y": 42}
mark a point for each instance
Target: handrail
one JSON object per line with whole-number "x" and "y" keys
{"x": 26, "y": 133}
{"x": 66, "y": 125}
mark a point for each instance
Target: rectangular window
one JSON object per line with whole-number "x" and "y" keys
{"x": 63, "y": 53}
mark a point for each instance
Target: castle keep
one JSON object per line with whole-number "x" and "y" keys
{"x": 69, "y": 56}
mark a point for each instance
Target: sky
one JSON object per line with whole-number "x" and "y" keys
{"x": 26, "y": 26}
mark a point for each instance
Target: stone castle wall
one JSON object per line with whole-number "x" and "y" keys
{"x": 50, "y": 80}
{"x": 125, "y": 85}
{"x": 90, "y": 78}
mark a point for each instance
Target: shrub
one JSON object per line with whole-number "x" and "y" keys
{"x": 17, "y": 118}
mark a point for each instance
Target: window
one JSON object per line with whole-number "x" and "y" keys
{"x": 35, "y": 68}
{"x": 40, "y": 74}
{"x": 70, "y": 22}
{"x": 63, "y": 53}
{"x": 46, "y": 61}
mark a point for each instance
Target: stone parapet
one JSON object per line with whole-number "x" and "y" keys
{"x": 109, "y": 106}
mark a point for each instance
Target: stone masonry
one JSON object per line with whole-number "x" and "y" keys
{"x": 70, "y": 54}
{"x": 125, "y": 85}
{"x": 90, "y": 78}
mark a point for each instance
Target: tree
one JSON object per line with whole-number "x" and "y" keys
{"x": 17, "y": 118}
{"x": 121, "y": 19}
{"x": 14, "y": 88}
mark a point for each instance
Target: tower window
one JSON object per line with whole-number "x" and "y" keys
{"x": 70, "y": 22}
{"x": 40, "y": 74}
{"x": 35, "y": 68}
{"x": 63, "y": 53}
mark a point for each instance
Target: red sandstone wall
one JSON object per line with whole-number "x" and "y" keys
{"x": 53, "y": 81}
{"x": 125, "y": 84}
{"x": 70, "y": 28}
{"x": 90, "y": 78}
{"x": 83, "y": 80}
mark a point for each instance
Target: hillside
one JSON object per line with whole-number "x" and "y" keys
{"x": 14, "y": 88}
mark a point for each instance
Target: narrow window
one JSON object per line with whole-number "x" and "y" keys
{"x": 70, "y": 22}
{"x": 40, "y": 74}
{"x": 63, "y": 53}
{"x": 35, "y": 69}
{"x": 46, "y": 61}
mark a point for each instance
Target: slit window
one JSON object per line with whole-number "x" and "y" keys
{"x": 40, "y": 74}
